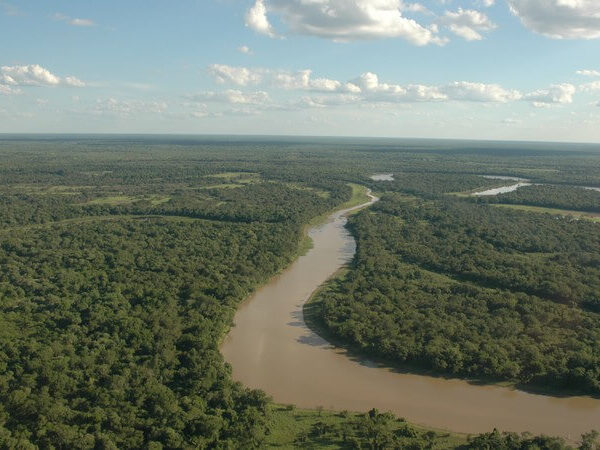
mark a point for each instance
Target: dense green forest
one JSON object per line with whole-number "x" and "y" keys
{"x": 549, "y": 196}
{"x": 123, "y": 260}
{"x": 119, "y": 275}
{"x": 471, "y": 290}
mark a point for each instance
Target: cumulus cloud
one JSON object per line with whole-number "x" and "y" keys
{"x": 74, "y": 82}
{"x": 34, "y": 75}
{"x": 559, "y": 19}
{"x": 343, "y": 20}
{"x": 467, "y": 23}
{"x": 480, "y": 92}
{"x": 366, "y": 87}
{"x": 233, "y": 96}
{"x": 302, "y": 79}
{"x": 590, "y": 87}
{"x": 245, "y": 50}
{"x": 588, "y": 73}
{"x": 240, "y": 76}
{"x": 554, "y": 95}
{"x": 256, "y": 18}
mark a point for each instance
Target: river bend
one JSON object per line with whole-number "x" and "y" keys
{"x": 271, "y": 348}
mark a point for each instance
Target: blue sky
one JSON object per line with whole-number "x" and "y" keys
{"x": 480, "y": 69}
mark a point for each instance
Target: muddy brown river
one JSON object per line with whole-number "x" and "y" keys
{"x": 271, "y": 348}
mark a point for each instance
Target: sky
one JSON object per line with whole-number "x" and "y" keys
{"x": 470, "y": 69}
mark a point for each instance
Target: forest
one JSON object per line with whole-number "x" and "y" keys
{"x": 475, "y": 291}
{"x": 551, "y": 196}
{"x": 123, "y": 260}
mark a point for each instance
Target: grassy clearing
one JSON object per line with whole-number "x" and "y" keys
{"x": 237, "y": 177}
{"x": 221, "y": 186}
{"x": 49, "y": 190}
{"x": 594, "y": 217}
{"x": 287, "y": 423}
{"x": 359, "y": 196}
{"x": 116, "y": 200}
{"x": 231, "y": 175}
{"x": 304, "y": 187}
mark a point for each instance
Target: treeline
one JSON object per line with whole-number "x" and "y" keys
{"x": 261, "y": 202}
{"x": 382, "y": 431}
{"x": 420, "y": 183}
{"x": 551, "y": 196}
{"x": 556, "y": 259}
{"x": 442, "y": 286}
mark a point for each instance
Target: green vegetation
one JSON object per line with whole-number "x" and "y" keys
{"x": 122, "y": 262}
{"x": 293, "y": 428}
{"x": 594, "y": 217}
{"x": 472, "y": 291}
{"x": 548, "y": 196}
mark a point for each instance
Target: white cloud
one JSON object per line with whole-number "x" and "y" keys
{"x": 302, "y": 79}
{"x": 366, "y": 87}
{"x": 233, "y": 96}
{"x": 240, "y": 76}
{"x": 343, "y": 20}
{"x": 415, "y": 7}
{"x": 560, "y": 19}
{"x": 34, "y": 75}
{"x": 480, "y": 92}
{"x": 256, "y": 18}
{"x": 74, "y": 82}
{"x": 590, "y": 87}
{"x": 588, "y": 73}
{"x": 8, "y": 90}
{"x": 245, "y": 50}
{"x": 75, "y": 21}
{"x": 555, "y": 94}
{"x": 467, "y": 23}
{"x": 488, "y": 3}
{"x": 81, "y": 22}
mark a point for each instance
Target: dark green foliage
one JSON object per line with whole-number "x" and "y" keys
{"x": 473, "y": 291}
{"x": 512, "y": 441}
{"x": 114, "y": 297}
{"x": 111, "y": 311}
{"x": 424, "y": 183}
{"x": 562, "y": 197}
{"x": 110, "y": 331}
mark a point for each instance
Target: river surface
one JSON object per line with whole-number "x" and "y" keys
{"x": 501, "y": 190}
{"x": 271, "y": 348}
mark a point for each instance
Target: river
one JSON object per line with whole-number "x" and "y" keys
{"x": 271, "y": 348}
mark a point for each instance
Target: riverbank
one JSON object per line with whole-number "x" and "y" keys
{"x": 291, "y": 427}
{"x": 272, "y": 348}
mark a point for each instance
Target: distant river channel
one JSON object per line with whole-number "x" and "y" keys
{"x": 271, "y": 348}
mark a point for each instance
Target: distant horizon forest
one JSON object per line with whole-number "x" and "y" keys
{"x": 124, "y": 258}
